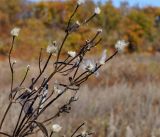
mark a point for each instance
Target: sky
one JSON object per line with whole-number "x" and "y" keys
{"x": 141, "y": 3}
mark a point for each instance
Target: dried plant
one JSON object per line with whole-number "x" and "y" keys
{"x": 38, "y": 97}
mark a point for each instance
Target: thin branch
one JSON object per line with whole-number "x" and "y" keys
{"x": 59, "y": 52}
{"x": 67, "y": 33}
{"x": 69, "y": 22}
{"x": 82, "y": 80}
{"x": 82, "y": 50}
{"x": 51, "y": 134}
{"x": 2, "y": 133}
{"x": 24, "y": 78}
{"x": 40, "y": 60}
{"x": 77, "y": 129}
{"x": 90, "y": 18}
{"x": 46, "y": 64}
{"x": 10, "y": 64}
{"x": 5, "y": 114}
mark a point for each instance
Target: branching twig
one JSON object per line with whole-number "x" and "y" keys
{"x": 35, "y": 100}
{"x": 11, "y": 68}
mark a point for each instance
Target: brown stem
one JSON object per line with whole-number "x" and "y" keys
{"x": 2, "y": 133}
{"x": 40, "y": 60}
{"x": 77, "y": 129}
{"x": 59, "y": 52}
{"x": 10, "y": 64}
{"x": 11, "y": 68}
{"x": 5, "y": 114}
{"x": 49, "y": 57}
{"x": 24, "y": 77}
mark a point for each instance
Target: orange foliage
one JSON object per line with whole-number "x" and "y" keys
{"x": 45, "y": 21}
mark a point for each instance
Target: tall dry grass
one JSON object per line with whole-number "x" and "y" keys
{"x": 122, "y": 102}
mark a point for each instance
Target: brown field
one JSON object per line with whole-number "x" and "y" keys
{"x": 122, "y": 102}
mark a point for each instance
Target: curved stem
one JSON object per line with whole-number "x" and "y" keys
{"x": 11, "y": 68}
{"x": 50, "y": 55}
{"x": 5, "y": 114}
{"x": 10, "y": 64}
{"x": 40, "y": 60}
{"x": 24, "y": 77}
{"x": 77, "y": 129}
{"x": 59, "y": 52}
{"x": 2, "y": 133}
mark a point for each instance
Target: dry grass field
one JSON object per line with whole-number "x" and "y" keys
{"x": 124, "y": 101}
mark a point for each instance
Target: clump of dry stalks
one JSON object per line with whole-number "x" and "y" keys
{"x": 37, "y": 98}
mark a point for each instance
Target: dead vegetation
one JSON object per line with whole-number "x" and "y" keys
{"x": 122, "y": 102}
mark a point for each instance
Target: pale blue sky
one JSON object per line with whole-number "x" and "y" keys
{"x": 141, "y": 3}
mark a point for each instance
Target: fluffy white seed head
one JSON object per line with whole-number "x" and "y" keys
{"x": 72, "y": 54}
{"x": 36, "y": 88}
{"x": 28, "y": 66}
{"x": 56, "y": 128}
{"x": 99, "y": 30}
{"x": 78, "y": 23}
{"x": 89, "y": 65}
{"x": 79, "y": 2}
{"x": 14, "y": 62}
{"x": 56, "y": 89}
{"x": 15, "y": 32}
{"x": 84, "y": 133}
{"x": 97, "y": 10}
{"x": 121, "y": 45}
{"x": 52, "y": 48}
{"x": 76, "y": 98}
{"x": 103, "y": 57}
